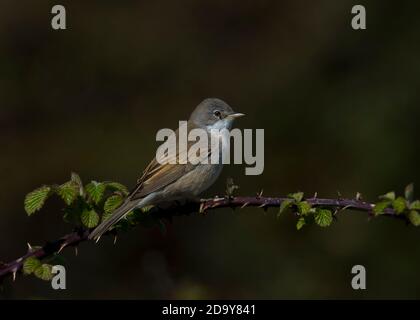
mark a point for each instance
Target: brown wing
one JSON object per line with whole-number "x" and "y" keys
{"x": 157, "y": 176}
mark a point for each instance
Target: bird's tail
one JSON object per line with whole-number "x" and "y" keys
{"x": 118, "y": 214}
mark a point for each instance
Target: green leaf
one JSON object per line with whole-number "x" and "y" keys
{"x": 112, "y": 203}
{"x": 146, "y": 208}
{"x": 75, "y": 178}
{"x": 300, "y": 223}
{"x": 116, "y": 186}
{"x": 285, "y": 204}
{"x": 380, "y": 207}
{"x": 90, "y": 218}
{"x": 304, "y": 207}
{"x": 95, "y": 190}
{"x": 36, "y": 199}
{"x": 409, "y": 192}
{"x": 298, "y": 196}
{"x": 414, "y": 218}
{"x": 323, "y": 217}
{"x": 72, "y": 214}
{"x": 68, "y": 192}
{"x": 30, "y": 265}
{"x": 388, "y": 196}
{"x": 415, "y": 205}
{"x": 130, "y": 215}
{"x": 44, "y": 272}
{"x": 399, "y": 205}
{"x": 106, "y": 216}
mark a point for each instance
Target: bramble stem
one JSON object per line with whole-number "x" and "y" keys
{"x": 76, "y": 237}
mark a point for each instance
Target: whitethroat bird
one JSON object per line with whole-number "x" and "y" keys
{"x": 169, "y": 182}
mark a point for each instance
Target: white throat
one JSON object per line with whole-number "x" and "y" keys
{"x": 220, "y": 135}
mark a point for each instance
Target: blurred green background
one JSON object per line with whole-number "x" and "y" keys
{"x": 340, "y": 110}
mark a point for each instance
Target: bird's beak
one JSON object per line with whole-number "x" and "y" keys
{"x": 235, "y": 115}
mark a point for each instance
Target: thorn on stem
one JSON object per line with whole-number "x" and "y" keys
{"x": 244, "y": 205}
{"x": 29, "y": 247}
{"x": 358, "y": 196}
{"x": 115, "y": 239}
{"x": 62, "y": 247}
{"x": 76, "y": 251}
{"x": 14, "y": 275}
{"x": 202, "y": 208}
{"x": 345, "y": 208}
{"x": 259, "y": 194}
{"x": 316, "y": 195}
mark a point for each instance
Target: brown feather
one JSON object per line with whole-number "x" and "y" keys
{"x": 157, "y": 176}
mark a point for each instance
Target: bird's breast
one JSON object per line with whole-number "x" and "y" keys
{"x": 220, "y": 143}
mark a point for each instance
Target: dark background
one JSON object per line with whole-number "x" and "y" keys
{"x": 339, "y": 107}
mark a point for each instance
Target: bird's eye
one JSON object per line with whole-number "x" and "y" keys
{"x": 217, "y": 114}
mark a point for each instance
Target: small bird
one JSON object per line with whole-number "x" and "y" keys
{"x": 169, "y": 182}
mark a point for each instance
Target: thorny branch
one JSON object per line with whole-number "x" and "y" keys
{"x": 73, "y": 239}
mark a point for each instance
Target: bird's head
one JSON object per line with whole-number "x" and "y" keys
{"x": 215, "y": 114}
